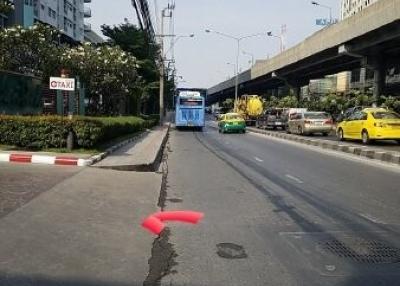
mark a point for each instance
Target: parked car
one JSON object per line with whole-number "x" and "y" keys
{"x": 348, "y": 112}
{"x": 287, "y": 112}
{"x": 310, "y": 122}
{"x": 231, "y": 122}
{"x": 272, "y": 118}
{"x": 370, "y": 124}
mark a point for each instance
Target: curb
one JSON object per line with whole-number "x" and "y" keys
{"x": 387, "y": 157}
{"x": 361, "y": 151}
{"x": 151, "y": 166}
{"x": 43, "y": 159}
{"x": 97, "y": 158}
{"x": 64, "y": 160}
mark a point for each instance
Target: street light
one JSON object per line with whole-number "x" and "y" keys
{"x": 238, "y": 40}
{"x": 270, "y": 34}
{"x": 327, "y": 7}
{"x": 177, "y": 39}
{"x": 249, "y": 54}
{"x": 234, "y": 67}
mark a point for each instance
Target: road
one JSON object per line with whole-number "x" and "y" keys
{"x": 279, "y": 213}
{"x": 384, "y": 145}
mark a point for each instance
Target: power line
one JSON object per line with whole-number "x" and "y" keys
{"x": 144, "y": 17}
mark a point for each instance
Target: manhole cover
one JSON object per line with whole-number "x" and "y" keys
{"x": 231, "y": 251}
{"x": 361, "y": 250}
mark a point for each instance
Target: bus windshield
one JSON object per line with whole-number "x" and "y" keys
{"x": 190, "y": 102}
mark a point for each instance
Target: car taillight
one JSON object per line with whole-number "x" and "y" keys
{"x": 330, "y": 121}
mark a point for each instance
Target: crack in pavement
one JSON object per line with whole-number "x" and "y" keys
{"x": 162, "y": 259}
{"x": 162, "y": 253}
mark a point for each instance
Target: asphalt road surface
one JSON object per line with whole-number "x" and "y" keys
{"x": 279, "y": 213}
{"x": 384, "y": 145}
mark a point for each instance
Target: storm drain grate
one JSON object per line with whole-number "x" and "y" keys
{"x": 361, "y": 250}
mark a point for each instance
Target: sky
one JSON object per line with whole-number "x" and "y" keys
{"x": 207, "y": 59}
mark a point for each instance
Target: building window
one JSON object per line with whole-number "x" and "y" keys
{"x": 49, "y": 12}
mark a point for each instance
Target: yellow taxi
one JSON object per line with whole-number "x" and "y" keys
{"x": 231, "y": 122}
{"x": 370, "y": 124}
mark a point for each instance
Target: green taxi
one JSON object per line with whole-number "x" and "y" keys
{"x": 231, "y": 122}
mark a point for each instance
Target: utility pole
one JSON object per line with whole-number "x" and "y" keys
{"x": 169, "y": 8}
{"x": 162, "y": 68}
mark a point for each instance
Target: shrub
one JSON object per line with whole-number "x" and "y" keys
{"x": 51, "y": 131}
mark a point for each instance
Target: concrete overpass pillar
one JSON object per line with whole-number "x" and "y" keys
{"x": 378, "y": 64}
{"x": 296, "y": 91}
{"x": 295, "y": 88}
{"x": 379, "y": 81}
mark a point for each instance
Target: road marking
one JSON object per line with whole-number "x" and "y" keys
{"x": 294, "y": 178}
{"x": 372, "y": 218}
{"x": 258, "y": 159}
{"x": 388, "y": 166}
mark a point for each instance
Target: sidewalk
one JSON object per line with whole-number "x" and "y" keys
{"x": 140, "y": 155}
{"x": 87, "y": 230}
{"x": 84, "y": 231}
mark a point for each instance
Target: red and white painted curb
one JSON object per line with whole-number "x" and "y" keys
{"x": 44, "y": 159}
{"x": 65, "y": 160}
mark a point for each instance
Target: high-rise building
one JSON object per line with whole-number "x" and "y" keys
{"x": 351, "y": 7}
{"x": 66, "y": 15}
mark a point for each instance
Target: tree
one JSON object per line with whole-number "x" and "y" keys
{"x": 6, "y": 7}
{"x": 109, "y": 73}
{"x": 30, "y": 51}
{"x": 136, "y": 42}
{"x": 228, "y": 103}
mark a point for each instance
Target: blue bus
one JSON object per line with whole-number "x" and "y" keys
{"x": 190, "y": 110}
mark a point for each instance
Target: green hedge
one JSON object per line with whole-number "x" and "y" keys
{"x": 51, "y": 131}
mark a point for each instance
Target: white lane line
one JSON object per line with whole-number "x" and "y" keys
{"x": 258, "y": 159}
{"x": 294, "y": 178}
{"x": 372, "y": 218}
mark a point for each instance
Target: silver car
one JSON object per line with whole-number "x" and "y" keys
{"x": 310, "y": 122}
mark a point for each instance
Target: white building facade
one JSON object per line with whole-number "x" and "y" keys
{"x": 351, "y": 7}
{"x": 66, "y": 15}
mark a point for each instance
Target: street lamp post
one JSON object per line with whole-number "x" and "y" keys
{"x": 281, "y": 48}
{"x": 327, "y": 7}
{"x": 238, "y": 40}
{"x": 234, "y": 68}
{"x": 251, "y": 55}
{"x": 177, "y": 38}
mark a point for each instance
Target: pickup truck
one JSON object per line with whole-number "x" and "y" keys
{"x": 272, "y": 118}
